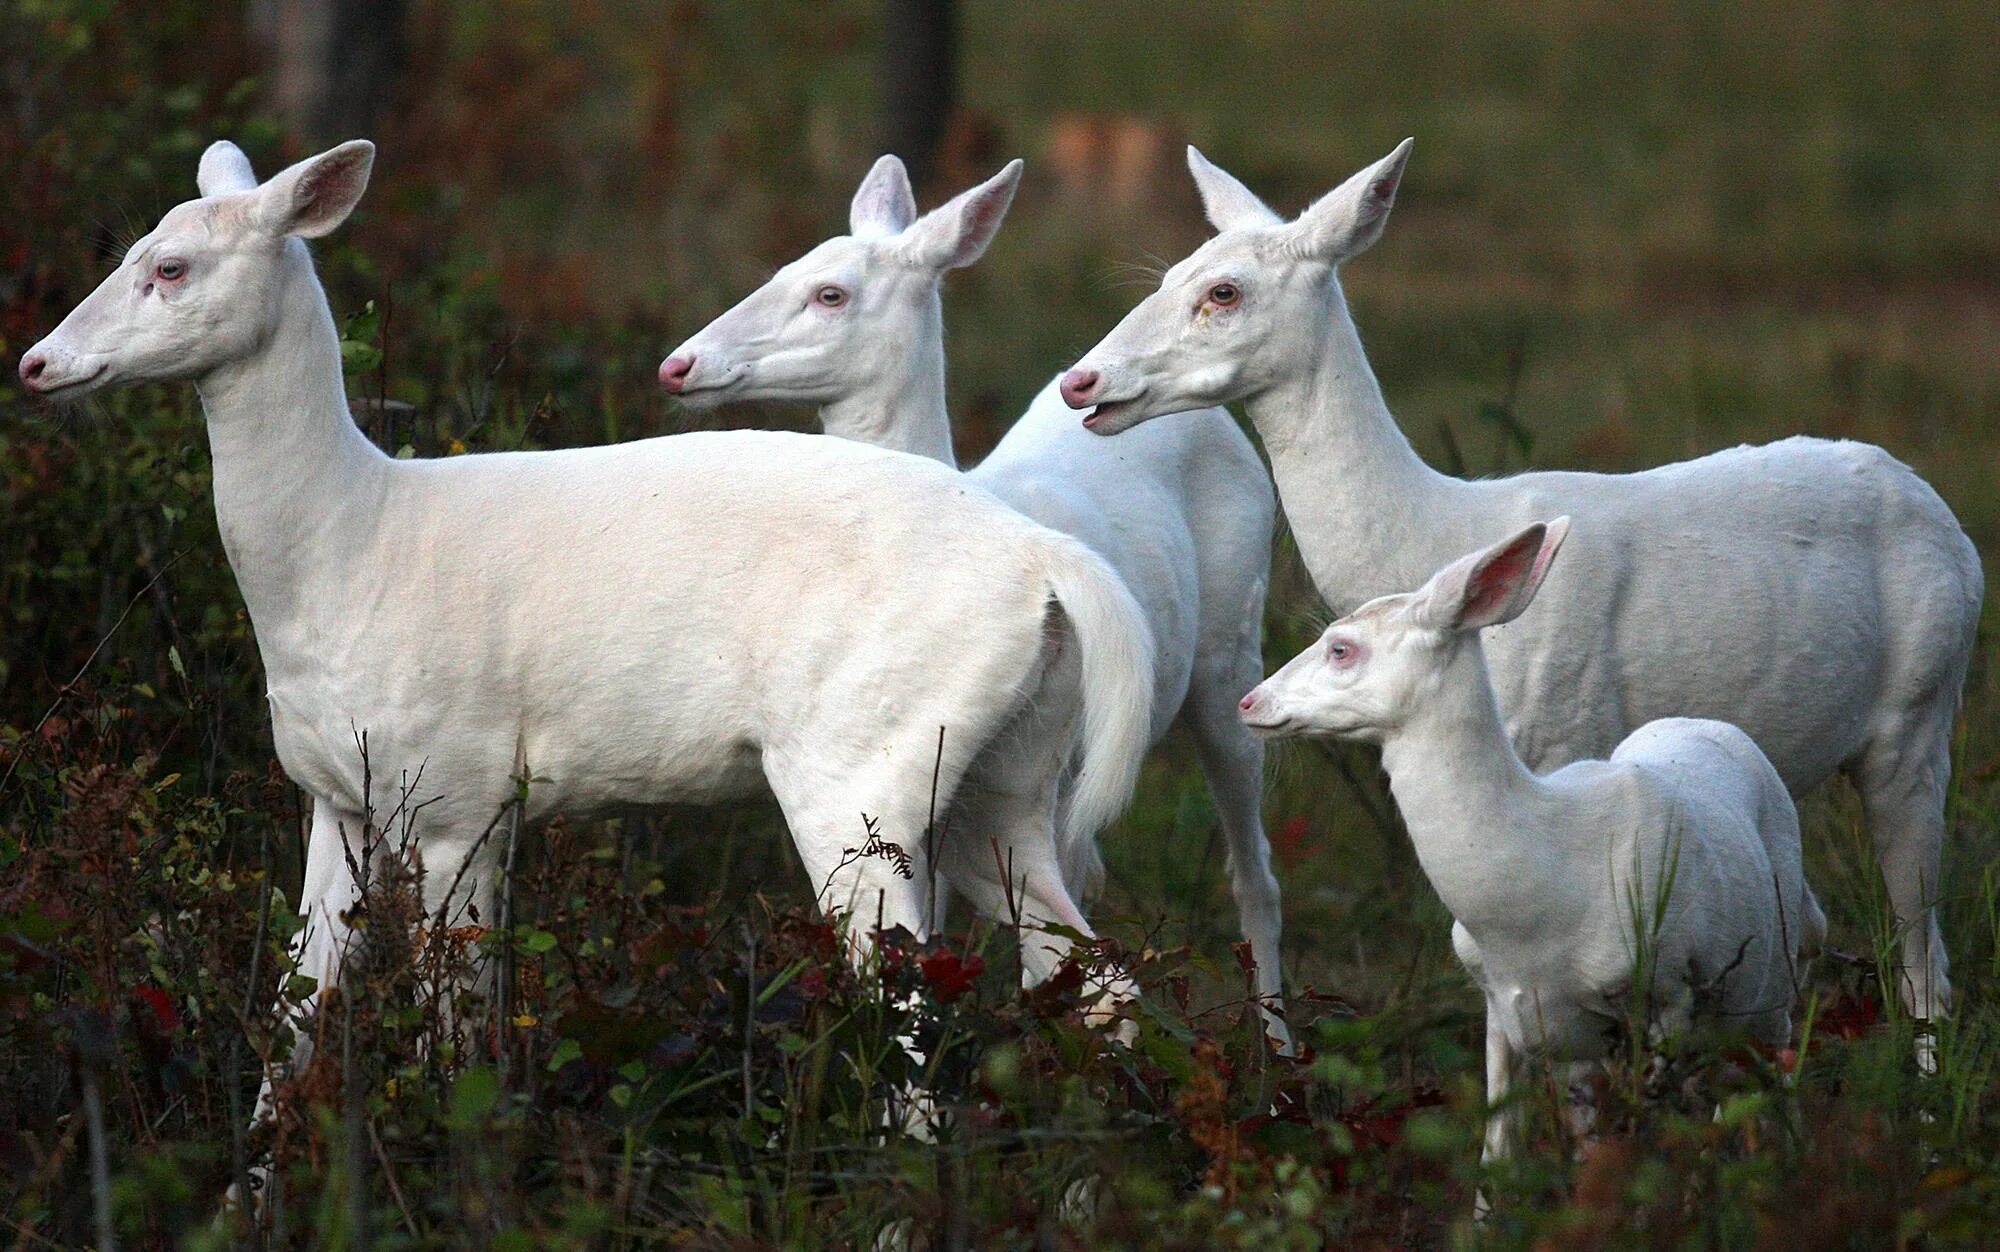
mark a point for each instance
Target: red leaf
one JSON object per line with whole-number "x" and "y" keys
{"x": 1288, "y": 842}
{"x": 1849, "y": 1017}
{"x": 1054, "y": 994}
{"x": 165, "y": 1016}
{"x": 949, "y": 976}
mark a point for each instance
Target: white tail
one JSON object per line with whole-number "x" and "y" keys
{"x": 1117, "y": 663}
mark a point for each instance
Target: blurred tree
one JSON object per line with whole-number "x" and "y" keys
{"x": 919, "y": 80}
{"x": 335, "y": 64}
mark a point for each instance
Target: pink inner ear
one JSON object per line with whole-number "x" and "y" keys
{"x": 330, "y": 183}
{"x": 1385, "y": 189}
{"x": 1494, "y": 583}
{"x": 1543, "y": 555}
{"x": 977, "y": 223}
{"x": 981, "y": 223}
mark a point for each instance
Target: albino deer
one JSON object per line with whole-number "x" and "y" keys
{"x": 1816, "y": 593}
{"x": 1664, "y": 882}
{"x": 1183, "y": 511}
{"x": 677, "y": 619}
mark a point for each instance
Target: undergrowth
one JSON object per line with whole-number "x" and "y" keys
{"x": 722, "y": 1075}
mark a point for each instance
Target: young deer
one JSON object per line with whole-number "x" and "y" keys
{"x": 1815, "y": 593}
{"x": 1666, "y": 879}
{"x": 1183, "y": 511}
{"x": 677, "y": 619}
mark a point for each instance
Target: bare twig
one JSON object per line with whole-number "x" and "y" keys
{"x": 355, "y": 1119}
{"x": 90, "y": 660}
{"x": 504, "y": 993}
{"x": 931, "y": 832}
{"x": 389, "y": 1177}
{"x": 749, "y": 1017}
{"x": 239, "y": 1133}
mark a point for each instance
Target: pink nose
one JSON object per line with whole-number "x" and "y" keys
{"x": 32, "y": 367}
{"x": 1247, "y": 702}
{"x": 674, "y": 372}
{"x": 1079, "y": 387}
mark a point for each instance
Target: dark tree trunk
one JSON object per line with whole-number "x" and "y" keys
{"x": 335, "y": 64}
{"x": 919, "y": 80}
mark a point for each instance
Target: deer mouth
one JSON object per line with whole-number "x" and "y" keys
{"x": 715, "y": 387}
{"x": 1111, "y": 417}
{"x": 1267, "y": 727}
{"x": 49, "y": 389}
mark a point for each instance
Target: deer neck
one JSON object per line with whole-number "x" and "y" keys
{"x": 295, "y": 480}
{"x": 1369, "y": 516}
{"x": 903, "y": 407}
{"x": 1479, "y": 818}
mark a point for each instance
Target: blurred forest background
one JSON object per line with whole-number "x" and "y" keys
{"x": 1629, "y": 234}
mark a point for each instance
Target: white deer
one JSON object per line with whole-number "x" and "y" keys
{"x": 677, "y": 619}
{"x": 1183, "y": 510}
{"x": 1816, "y": 593}
{"x": 1654, "y": 887}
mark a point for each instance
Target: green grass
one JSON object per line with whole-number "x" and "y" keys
{"x": 1690, "y": 228}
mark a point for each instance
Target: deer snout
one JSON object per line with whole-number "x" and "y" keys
{"x": 674, "y": 373}
{"x": 1079, "y": 388}
{"x": 1262, "y": 714}
{"x": 33, "y": 367}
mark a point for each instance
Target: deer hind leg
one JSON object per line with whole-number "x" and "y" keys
{"x": 1014, "y": 875}
{"x": 861, "y": 821}
{"x": 1006, "y": 856}
{"x": 1903, "y": 778}
{"x": 862, "y": 828}
{"x": 1232, "y": 759}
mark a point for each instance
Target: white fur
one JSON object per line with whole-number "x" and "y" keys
{"x": 1183, "y": 510}
{"x": 678, "y": 619}
{"x": 1681, "y": 850}
{"x": 1816, "y": 593}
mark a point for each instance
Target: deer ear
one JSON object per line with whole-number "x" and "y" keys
{"x": 955, "y": 234}
{"x": 1229, "y": 204}
{"x": 1490, "y": 587}
{"x": 1347, "y": 220}
{"x": 224, "y": 170}
{"x": 313, "y": 197}
{"x": 883, "y": 203}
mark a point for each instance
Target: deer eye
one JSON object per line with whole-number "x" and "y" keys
{"x": 1225, "y": 295}
{"x": 170, "y": 271}
{"x": 830, "y": 297}
{"x": 1340, "y": 651}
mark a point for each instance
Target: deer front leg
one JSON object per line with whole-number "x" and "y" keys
{"x": 1503, "y": 1114}
{"x": 335, "y": 854}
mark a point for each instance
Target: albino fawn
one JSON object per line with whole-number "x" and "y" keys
{"x": 1183, "y": 510}
{"x": 679, "y": 619}
{"x": 1814, "y": 592}
{"x": 1670, "y": 872}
